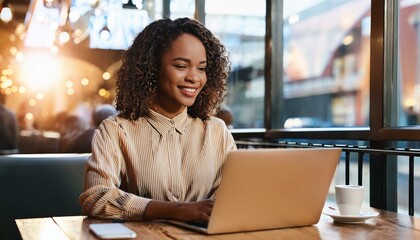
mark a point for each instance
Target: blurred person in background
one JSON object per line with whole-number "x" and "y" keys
{"x": 9, "y": 128}
{"x": 58, "y": 121}
{"x": 226, "y": 115}
{"x": 83, "y": 143}
{"x": 71, "y": 128}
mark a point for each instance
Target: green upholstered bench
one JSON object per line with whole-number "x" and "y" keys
{"x": 39, "y": 185}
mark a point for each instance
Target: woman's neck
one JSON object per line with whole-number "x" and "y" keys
{"x": 166, "y": 112}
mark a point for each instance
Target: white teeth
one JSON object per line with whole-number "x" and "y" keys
{"x": 191, "y": 90}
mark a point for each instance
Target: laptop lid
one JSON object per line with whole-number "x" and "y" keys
{"x": 271, "y": 188}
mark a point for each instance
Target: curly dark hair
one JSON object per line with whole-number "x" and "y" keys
{"x": 138, "y": 76}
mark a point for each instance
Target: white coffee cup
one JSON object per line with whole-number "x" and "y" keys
{"x": 349, "y": 199}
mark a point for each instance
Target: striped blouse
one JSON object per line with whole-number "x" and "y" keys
{"x": 157, "y": 158}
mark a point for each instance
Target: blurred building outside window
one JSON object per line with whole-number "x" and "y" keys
{"x": 408, "y": 63}
{"x": 326, "y": 64}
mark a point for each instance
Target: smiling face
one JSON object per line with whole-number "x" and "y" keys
{"x": 182, "y": 75}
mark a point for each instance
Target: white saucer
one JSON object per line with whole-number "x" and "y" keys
{"x": 361, "y": 218}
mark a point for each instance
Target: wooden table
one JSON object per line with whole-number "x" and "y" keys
{"x": 387, "y": 225}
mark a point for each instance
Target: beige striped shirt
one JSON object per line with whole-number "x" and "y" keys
{"x": 132, "y": 162}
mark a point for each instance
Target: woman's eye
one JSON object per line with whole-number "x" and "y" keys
{"x": 202, "y": 69}
{"x": 180, "y": 66}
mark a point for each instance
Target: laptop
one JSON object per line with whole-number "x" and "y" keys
{"x": 269, "y": 189}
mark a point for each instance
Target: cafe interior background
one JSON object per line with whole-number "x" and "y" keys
{"x": 315, "y": 60}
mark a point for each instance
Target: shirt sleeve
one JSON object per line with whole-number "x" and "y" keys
{"x": 102, "y": 196}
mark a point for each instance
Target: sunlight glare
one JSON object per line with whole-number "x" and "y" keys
{"x": 40, "y": 72}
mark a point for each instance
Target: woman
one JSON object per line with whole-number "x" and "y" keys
{"x": 161, "y": 158}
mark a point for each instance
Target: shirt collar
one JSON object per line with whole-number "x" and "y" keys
{"x": 162, "y": 124}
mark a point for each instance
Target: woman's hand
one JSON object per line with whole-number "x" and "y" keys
{"x": 194, "y": 211}
{"x": 190, "y": 211}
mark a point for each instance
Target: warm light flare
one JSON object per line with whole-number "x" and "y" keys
{"x": 22, "y": 90}
{"x": 7, "y": 91}
{"x": 54, "y": 26}
{"x": 63, "y": 37}
{"x": 54, "y": 49}
{"x": 20, "y": 29}
{"x": 84, "y": 82}
{"x": 19, "y": 57}
{"x": 348, "y": 40}
{"x": 69, "y": 84}
{"x": 32, "y": 102}
{"x": 40, "y": 72}
{"x": 70, "y": 91}
{"x": 102, "y": 92}
{"x": 106, "y": 75}
{"x": 12, "y": 37}
{"x": 7, "y": 72}
{"x": 29, "y": 116}
{"x": 6, "y": 83}
{"x": 76, "y": 40}
{"x": 40, "y": 96}
{"x": 6, "y": 14}
{"x": 410, "y": 102}
{"x": 13, "y": 51}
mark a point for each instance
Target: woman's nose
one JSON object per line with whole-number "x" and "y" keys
{"x": 193, "y": 75}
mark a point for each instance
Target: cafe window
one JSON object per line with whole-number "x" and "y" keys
{"x": 182, "y": 8}
{"x": 404, "y": 111}
{"x": 408, "y": 64}
{"x": 325, "y": 64}
{"x": 240, "y": 25}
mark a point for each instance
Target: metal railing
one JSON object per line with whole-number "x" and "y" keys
{"x": 348, "y": 150}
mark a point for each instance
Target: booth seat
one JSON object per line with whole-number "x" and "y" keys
{"x": 39, "y": 185}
